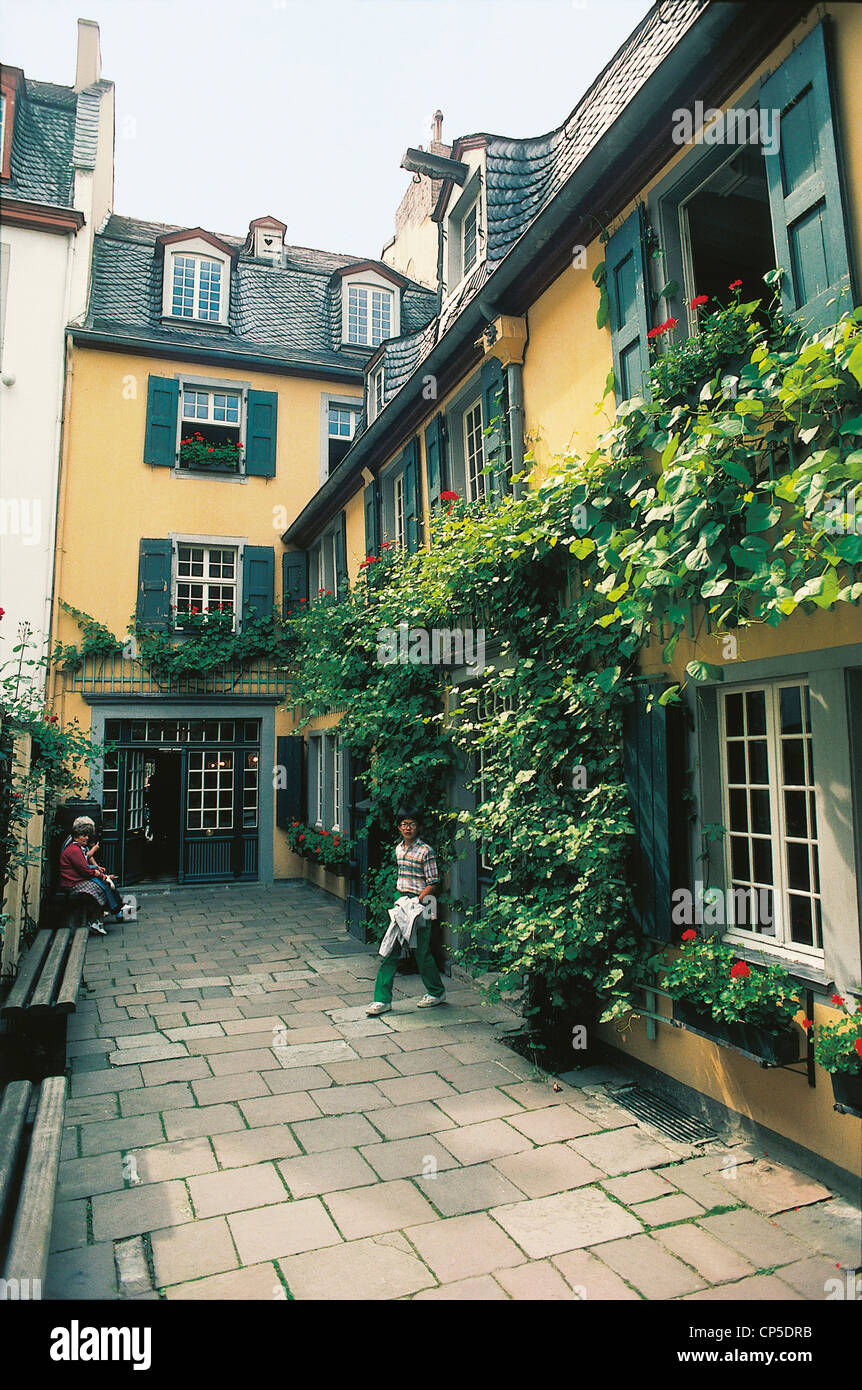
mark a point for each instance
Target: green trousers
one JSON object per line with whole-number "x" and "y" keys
{"x": 424, "y": 960}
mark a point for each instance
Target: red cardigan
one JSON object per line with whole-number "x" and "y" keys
{"x": 74, "y": 866}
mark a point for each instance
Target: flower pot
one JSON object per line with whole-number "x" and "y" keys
{"x": 772, "y": 1047}
{"x": 847, "y": 1090}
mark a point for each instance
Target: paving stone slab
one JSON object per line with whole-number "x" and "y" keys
{"x": 647, "y": 1265}
{"x": 117, "y": 1136}
{"x": 384, "y": 1206}
{"x": 236, "y": 1189}
{"x": 714, "y": 1261}
{"x": 226, "y": 1088}
{"x": 553, "y": 1123}
{"x": 206, "y": 1119}
{"x": 591, "y": 1279}
{"x": 666, "y": 1209}
{"x": 335, "y": 1132}
{"x": 566, "y": 1221}
{"x": 534, "y": 1095}
{"x": 482, "y": 1289}
{"x": 85, "y": 1273}
{"x": 482, "y": 1142}
{"x": 140, "y": 1209}
{"x": 369, "y": 1269}
{"x": 82, "y": 1177}
{"x": 97, "y": 1083}
{"x": 537, "y": 1281}
{"x": 255, "y": 1283}
{"x": 70, "y": 1225}
{"x": 245, "y": 1146}
{"x": 423, "y": 1059}
{"x": 818, "y": 1281}
{"x": 183, "y": 1069}
{"x": 330, "y": 1171}
{"x": 316, "y": 1054}
{"x": 710, "y": 1192}
{"x": 772, "y": 1187}
{"x": 288, "y": 1229}
{"x": 365, "y": 1069}
{"x": 457, "y": 1191}
{"x": 404, "y": 1090}
{"x": 414, "y": 1157}
{"x": 472, "y": 1107}
{"x": 231, "y": 1063}
{"x": 639, "y": 1187}
{"x": 342, "y": 1100}
{"x": 761, "y": 1288}
{"x": 459, "y": 1247}
{"x": 622, "y": 1150}
{"x": 759, "y": 1240}
{"x": 552, "y": 1168}
{"x": 151, "y": 1099}
{"x": 133, "y": 1275}
{"x": 401, "y": 1121}
{"x": 832, "y": 1228}
{"x": 282, "y": 1109}
{"x": 179, "y": 1158}
{"x": 193, "y": 1251}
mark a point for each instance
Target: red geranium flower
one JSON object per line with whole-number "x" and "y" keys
{"x": 324, "y": 832}
{"x": 662, "y": 328}
{"x": 698, "y": 300}
{"x": 837, "y": 999}
{"x": 2, "y": 612}
{"x": 689, "y": 935}
{"x": 336, "y": 840}
{"x": 807, "y": 1023}
{"x": 386, "y": 545}
{"x": 448, "y": 497}
{"x": 858, "y": 1047}
{"x": 739, "y": 971}
{"x": 210, "y": 450}
{"x": 734, "y": 284}
{"x": 301, "y": 838}
{"x": 329, "y": 592}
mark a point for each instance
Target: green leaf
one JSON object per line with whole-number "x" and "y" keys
{"x": 854, "y": 362}
{"x": 603, "y": 312}
{"x": 703, "y": 671}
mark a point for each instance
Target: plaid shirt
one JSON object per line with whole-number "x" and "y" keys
{"x": 417, "y": 867}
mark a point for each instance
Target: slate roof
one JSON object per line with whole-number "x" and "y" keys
{"x": 43, "y": 138}
{"x": 292, "y": 310}
{"x": 523, "y": 175}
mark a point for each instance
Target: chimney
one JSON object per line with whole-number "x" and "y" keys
{"x": 89, "y": 65}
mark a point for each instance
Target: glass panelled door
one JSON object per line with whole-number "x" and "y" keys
{"x": 133, "y": 767}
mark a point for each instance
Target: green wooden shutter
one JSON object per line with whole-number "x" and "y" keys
{"x": 261, "y": 434}
{"x": 626, "y": 278}
{"x": 258, "y": 582}
{"x": 435, "y": 461}
{"x": 412, "y": 497}
{"x": 654, "y": 760}
{"x": 154, "y": 584}
{"x": 494, "y": 422}
{"x": 808, "y": 214}
{"x": 342, "y": 578}
{"x": 294, "y": 579}
{"x": 371, "y": 500}
{"x": 160, "y": 436}
{"x": 289, "y": 780}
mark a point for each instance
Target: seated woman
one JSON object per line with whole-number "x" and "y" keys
{"x": 80, "y": 877}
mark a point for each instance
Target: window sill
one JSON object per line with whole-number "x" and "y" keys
{"x": 809, "y": 972}
{"x": 206, "y": 325}
{"x": 231, "y": 474}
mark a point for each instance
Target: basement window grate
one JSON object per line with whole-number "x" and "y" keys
{"x": 665, "y": 1116}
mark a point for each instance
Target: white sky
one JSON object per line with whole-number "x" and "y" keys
{"x": 304, "y": 108}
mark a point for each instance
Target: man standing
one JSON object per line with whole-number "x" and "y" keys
{"x": 418, "y": 877}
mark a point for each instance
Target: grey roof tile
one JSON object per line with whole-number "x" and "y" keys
{"x": 43, "y": 135}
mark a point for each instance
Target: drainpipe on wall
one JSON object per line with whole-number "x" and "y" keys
{"x": 515, "y": 384}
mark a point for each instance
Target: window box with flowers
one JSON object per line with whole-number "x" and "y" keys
{"x": 726, "y": 1000}
{"x": 838, "y": 1050}
{"x": 326, "y": 847}
{"x": 219, "y": 456}
{"x": 723, "y": 343}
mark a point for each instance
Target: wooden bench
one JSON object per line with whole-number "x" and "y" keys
{"x": 29, "y": 1163}
{"x": 35, "y": 1013}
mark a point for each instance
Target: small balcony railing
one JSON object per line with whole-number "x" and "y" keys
{"x": 117, "y": 675}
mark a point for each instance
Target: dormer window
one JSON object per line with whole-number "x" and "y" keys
{"x": 370, "y": 304}
{"x": 470, "y": 238}
{"x": 369, "y": 315}
{"x": 196, "y": 286}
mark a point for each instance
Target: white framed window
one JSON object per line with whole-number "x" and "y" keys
{"x": 341, "y": 418}
{"x": 206, "y": 579}
{"x": 212, "y": 427}
{"x": 319, "y": 781}
{"x": 770, "y": 815}
{"x": 470, "y": 238}
{"x": 342, "y": 421}
{"x": 209, "y": 804}
{"x": 398, "y": 511}
{"x": 369, "y": 315}
{"x": 337, "y": 786}
{"x": 250, "y": 781}
{"x": 196, "y": 281}
{"x": 196, "y": 288}
{"x": 474, "y": 452}
{"x": 375, "y": 392}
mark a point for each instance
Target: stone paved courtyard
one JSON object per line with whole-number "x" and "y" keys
{"x": 238, "y": 1129}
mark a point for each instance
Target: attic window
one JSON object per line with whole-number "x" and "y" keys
{"x": 375, "y": 393}
{"x": 369, "y": 315}
{"x": 196, "y": 288}
{"x": 470, "y": 238}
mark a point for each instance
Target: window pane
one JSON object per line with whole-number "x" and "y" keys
{"x": 758, "y": 762}
{"x": 794, "y": 762}
{"x": 761, "y": 819}
{"x": 791, "y": 710}
{"x": 733, "y": 716}
{"x": 736, "y": 762}
{"x": 738, "y": 810}
{"x": 755, "y": 712}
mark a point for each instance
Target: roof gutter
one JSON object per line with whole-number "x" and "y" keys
{"x": 740, "y": 34}
{"x": 145, "y": 347}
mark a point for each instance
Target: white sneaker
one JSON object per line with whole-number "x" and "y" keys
{"x": 98, "y": 929}
{"x": 377, "y": 1008}
{"x": 428, "y": 1001}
